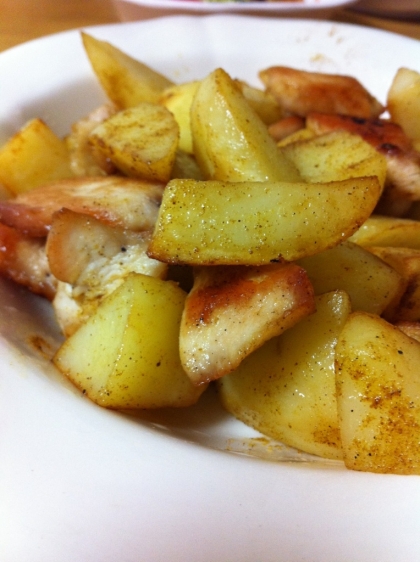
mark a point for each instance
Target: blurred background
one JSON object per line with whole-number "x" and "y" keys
{"x": 22, "y": 20}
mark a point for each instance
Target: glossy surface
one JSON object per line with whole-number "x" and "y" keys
{"x": 81, "y": 483}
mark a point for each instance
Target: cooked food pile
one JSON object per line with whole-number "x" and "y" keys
{"x": 263, "y": 240}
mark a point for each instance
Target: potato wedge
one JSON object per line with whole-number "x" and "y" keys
{"x": 286, "y": 389}
{"x": 372, "y": 285}
{"x": 125, "y": 80}
{"x": 403, "y": 102}
{"x": 378, "y": 396}
{"x": 231, "y": 143}
{"x": 178, "y": 100}
{"x": 33, "y": 157}
{"x": 126, "y": 355}
{"x": 244, "y": 305}
{"x": 336, "y": 156}
{"x": 254, "y": 223}
{"x": 141, "y": 141}
{"x": 388, "y": 231}
{"x": 264, "y": 105}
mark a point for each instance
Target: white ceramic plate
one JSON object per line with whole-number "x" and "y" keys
{"x": 79, "y": 483}
{"x": 269, "y": 6}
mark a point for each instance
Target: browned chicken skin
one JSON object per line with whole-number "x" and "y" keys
{"x": 232, "y": 311}
{"x": 300, "y": 92}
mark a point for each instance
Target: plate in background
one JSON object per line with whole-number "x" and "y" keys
{"x": 278, "y": 7}
{"x": 81, "y": 483}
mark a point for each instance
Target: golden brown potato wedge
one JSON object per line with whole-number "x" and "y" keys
{"x": 178, "y": 100}
{"x": 231, "y": 143}
{"x": 336, "y": 156}
{"x": 372, "y": 285}
{"x": 378, "y": 396}
{"x": 141, "y": 141}
{"x": 126, "y": 355}
{"x": 126, "y": 81}
{"x": 264, "y": 105}
{"x": 403, "y": 102}
{"x": 388, "y": 231}
{"x": 255, "y": 223}
{"x": 286, "y": 389}
{"x": 33, "y": 157}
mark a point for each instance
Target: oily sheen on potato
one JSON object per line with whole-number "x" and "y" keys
{"x": 286, "y": 389}
{"x": 230, "y": 140}
{"x": 378, "y": 395}
{"x": 255, "y": 223}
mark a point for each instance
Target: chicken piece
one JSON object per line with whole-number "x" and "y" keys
{"x": 91, "y": 259}
{"x": 23, "y": 260}
{"x": 231, "y": 311}
{"x": 85, "y": 159}
{"x": 402, "y": 185}
{"x": 300, "y": 92}
{"x": 380, "y": 133}
{"x": 127, "y": 203}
